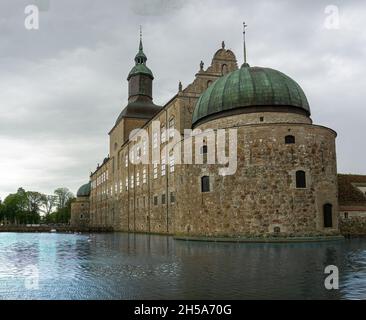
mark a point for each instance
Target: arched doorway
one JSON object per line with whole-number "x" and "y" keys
{"x": 328, "y": 215}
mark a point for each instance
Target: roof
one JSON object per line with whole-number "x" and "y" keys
{"x": 84, "y": 190}
{"x": 140, "y": 69}
{"x": 250, "y": 87}
{"x": 349, "y": 194}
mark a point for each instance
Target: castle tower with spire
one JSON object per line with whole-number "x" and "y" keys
{"x": 140, "y": 107}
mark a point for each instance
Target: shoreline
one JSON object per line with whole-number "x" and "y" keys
{"x": 48, "y": 229}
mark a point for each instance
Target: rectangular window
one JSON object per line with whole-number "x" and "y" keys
{"x": 163, "y": 166}
{"x": 144, "y": 180}
{"x": 132, "y": 157}
{"x": 138, "y": 179}
{"x": 163, "y": 198}
{"x": 126, "y": 161}
{"x": 171, "y": 162}
{"x": 155, "y": 172}
{"x": 155, "y": 200}
{"x": 132, "y": 181}
{"x": 205, "y": 184}
{"x": 120, "y": 186}
{"x": 300, "y": 179}
{"x": 172, "y": 197}
{"x": 127, "y": 184}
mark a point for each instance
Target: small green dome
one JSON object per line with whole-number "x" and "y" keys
{"x": 248, "y": 87}
{"x": 84, "y": 190}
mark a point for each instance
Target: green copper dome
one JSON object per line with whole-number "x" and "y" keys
{"x": 140, "y": 69}
{"x": 250, "y": 89}
{"x": 84, "y": 190}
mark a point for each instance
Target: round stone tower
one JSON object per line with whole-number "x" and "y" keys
{"x": 80, "y": 207}
{"x": 285, "y": 183}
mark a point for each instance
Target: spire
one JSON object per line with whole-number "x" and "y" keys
{"x": 141, "y": 48}
{"x": 245, "y": 64}
{"x": 140, "y": 56}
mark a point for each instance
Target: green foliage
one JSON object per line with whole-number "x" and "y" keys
{"x": 26, "y": 207}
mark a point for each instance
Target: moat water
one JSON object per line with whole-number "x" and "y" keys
{"x": 128, "y": 266}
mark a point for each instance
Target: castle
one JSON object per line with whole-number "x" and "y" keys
{"x": 285, "y": 181}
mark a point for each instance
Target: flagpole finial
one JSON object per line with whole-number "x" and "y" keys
{"x": 245, "y": 45}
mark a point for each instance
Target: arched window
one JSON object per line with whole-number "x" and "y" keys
{"x": 300, "y": 179}
{"x": 209, "y": 82}
{"x": 205, "y": 184}
{"x": 328, "y": 215}
{"x": 289, "y": 139}
{"x": 224, "y": 69}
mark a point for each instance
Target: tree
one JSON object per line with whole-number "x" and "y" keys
{"x": 63, "y": 196}
{"x": 49, "y": 202}
{"x": 35, "y": 200}
{"x": 15, "y": 207}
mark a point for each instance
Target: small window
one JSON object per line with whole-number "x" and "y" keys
{"x": 163, "y": 198}
{"x": 205, "y": 184}
{"x": 155, "y": 200}
{"x": 209, "y": 82}
{"x": 300, "y": 179}
{"x": 289, "y": 139}
{"x": 328, "y": 215}
{"x": 172, "y": 197}
{"x": 224, "y": 69}
{"x": 277, "y": 230}
{"x": 261, "y": 119}
{"x": 81, "y": 216}
{"x": 346, "y": 215}
{"x": 204, "y": 149}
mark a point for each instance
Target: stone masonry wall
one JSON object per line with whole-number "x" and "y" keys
{"x": 262, "y": 196}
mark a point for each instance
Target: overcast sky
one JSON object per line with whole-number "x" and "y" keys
{"x": 63, "y": 86}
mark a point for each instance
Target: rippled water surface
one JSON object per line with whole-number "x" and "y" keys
{"x": 127, "y": 266}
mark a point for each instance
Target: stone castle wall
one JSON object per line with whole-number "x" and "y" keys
{"x": 80, "y": 213}
{"x": 262, "y": 197}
